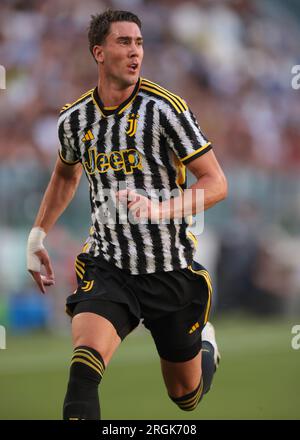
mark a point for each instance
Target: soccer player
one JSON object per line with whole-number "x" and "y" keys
{"x": 130, "y": 130}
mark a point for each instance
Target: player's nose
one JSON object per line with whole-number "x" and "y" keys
{"x": 133, "y": 50}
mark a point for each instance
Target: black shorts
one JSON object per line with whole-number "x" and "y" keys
{"x": 173, "y": 305}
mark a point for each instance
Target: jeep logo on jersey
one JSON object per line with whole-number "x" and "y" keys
{"x": 126, "y": 160}
{"x": 132, "y": 123}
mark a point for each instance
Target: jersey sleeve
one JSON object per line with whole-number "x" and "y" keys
{"x": 184, "y": 135}
{"x": 66, "y": 152}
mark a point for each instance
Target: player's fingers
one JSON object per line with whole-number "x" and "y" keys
{"x": 47, "y": 281}
{"x": 138, "y": 199}
{"x": 37, "y": 278}
{"x": 49, "y": 269}
{"x": 139, "y": 209}
{"x": 141, "y": 202}
{"x": 128, "y": 196}
{"x": 133, "y": 196}
{"x": 45, "y": 261}
{"x": 132, "y": 205}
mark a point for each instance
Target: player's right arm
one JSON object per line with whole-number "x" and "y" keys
{"x": 59, "y": 193}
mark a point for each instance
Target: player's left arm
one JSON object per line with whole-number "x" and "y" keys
{"x": 210, "y": 188}
{"x": 194, "y": 151}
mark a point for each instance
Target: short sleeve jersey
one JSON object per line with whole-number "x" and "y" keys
{"x": 143, "y": 144}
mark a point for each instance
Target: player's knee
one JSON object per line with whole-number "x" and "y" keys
{"x": 95, "y": 345}
{"x": 96, "y": 332}
{"x": 189, "y": 401}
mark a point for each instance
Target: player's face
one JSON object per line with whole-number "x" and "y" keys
{"x": 122, "y": 53}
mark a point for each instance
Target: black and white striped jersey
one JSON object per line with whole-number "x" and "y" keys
{"x": 143, "y": 144}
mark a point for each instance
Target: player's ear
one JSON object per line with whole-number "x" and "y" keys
{"x": 98, "y": 53}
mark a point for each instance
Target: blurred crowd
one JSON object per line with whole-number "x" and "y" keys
{"x": 231, "y": 60}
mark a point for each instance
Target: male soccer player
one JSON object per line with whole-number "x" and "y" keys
{"x": 130, "y": 130}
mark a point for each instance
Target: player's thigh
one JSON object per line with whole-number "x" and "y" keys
{"x": 101, "y": 309}
{"x": 95, "y": 331}
{"x": 181, "y": 378}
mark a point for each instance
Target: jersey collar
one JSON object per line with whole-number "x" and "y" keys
{"x": 107, "y": 111}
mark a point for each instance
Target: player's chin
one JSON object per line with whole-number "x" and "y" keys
{"x": 131, "y": 78}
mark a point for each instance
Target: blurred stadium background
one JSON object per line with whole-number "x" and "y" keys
{"x": 231, "y": 60}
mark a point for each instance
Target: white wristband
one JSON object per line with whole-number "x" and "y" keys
{"x": 34, "y": 244}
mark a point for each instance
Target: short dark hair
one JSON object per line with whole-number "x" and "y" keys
{"x": 100, "y": 25}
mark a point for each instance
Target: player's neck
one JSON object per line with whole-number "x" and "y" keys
{"x": 111, "y": 93}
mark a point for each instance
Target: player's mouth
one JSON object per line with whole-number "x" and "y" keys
{"x": 133, "y": 67}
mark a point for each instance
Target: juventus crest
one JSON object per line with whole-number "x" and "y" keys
{"x": 132, "y": 123}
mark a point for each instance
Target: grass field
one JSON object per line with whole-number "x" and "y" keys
{"x": 259, "y": 376}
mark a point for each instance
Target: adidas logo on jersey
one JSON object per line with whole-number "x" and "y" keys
{"x": 88, "y": 136}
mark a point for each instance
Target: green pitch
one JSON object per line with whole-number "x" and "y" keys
{"x": 258, "y": 377}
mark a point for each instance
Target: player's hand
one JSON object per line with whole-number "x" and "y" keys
{"x": 139, "y": 206}
{"x": 37, "y": 257}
